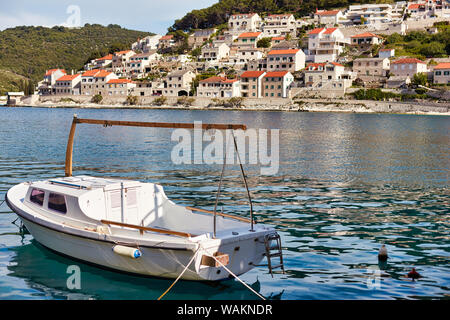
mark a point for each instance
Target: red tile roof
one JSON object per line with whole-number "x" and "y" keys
{"x": 102, "y": 74}
{"x": 217, "y": 79}
{"x": 408, "y": 60}
{"x": 69, "y": 77}
{"x": 119, "y": 53}
{"x": 287, "y": 51}
{"x": 316, "y": 65}
{"x": 327, "y": 13}
{"x": 112, "y": 81}
{"x": 416, "y": 5}
{"x": 252, "y": 74}
{"x": 167, "y": 37}
{"x": 330, "y": 30}
{"x": 316, "y": 31}
{"x": 276, "y": 74}
{"x": 249, "y": 35}
{"x": 442, "y": 65}
{"x": 366, "y": 35}
{"x": 278, "y": 38}
{"x": 108, "y": 57}
{"x": 90, "y": 73}
{"x": 50, "y": 72}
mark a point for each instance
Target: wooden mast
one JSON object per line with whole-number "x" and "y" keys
{"x": 108, "y": 123}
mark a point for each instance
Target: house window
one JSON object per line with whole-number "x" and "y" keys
{"x": 57, "y": 202}
{"x": 37, "y": 196}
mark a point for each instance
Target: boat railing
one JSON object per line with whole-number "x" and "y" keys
{"x": 220, "y": 214}
{"x": 142, "y": 229}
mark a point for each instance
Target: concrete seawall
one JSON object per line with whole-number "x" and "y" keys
{"x": 277, "y": 104}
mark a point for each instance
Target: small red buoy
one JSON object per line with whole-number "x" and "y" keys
{"x": 414, "y": 274}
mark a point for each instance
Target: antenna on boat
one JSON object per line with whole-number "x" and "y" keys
{"x": 204, "y": 126}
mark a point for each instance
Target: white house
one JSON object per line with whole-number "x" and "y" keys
{"x": 277, "y": 84}
{"x": 290, "y": 60}
{"x": 244, "y": 22}
{"x": 279, "y": 24}
{"x": 219, "y": 87}
{"x": 408, "y": 67}
{"x": 47, "y": 85}
{"x": 68, "y": 85}
{"x": 328, "y": 17}
{"x": 325, "y": 44}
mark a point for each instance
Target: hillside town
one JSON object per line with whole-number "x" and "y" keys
{"x": 327, "y": 54}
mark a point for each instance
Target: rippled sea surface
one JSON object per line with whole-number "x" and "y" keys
{"x": 347, "y": 183}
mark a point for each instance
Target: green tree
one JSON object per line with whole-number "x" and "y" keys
{"x": 264, "y": 43}
{"x": 420, "y": 79}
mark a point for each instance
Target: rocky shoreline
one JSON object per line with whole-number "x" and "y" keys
{"x": 303, "y": 105}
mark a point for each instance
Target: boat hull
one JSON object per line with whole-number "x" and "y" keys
{"x": 157, "y": 262}
{"x": 159, "y": 259}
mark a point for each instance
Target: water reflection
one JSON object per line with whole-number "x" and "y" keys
{"x": 30, "y": 260}
{"x": 347, "y": 184}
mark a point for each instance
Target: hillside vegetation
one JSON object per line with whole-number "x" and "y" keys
{"x": 27, "y": 52}
{"x": 218, "y": 13}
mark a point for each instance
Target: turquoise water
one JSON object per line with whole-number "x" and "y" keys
{"x": 347, "y": 183}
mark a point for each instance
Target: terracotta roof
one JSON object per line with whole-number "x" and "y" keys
{"x": 167, "y": 37}
{"x": 119, "y": 81}
{"x": 90, "y": 73}
{"x": 252, "y": 74}
{"x": 278, "y": 38}
{"x": 288, "y": 51}
{"x": 68, "y": 77}
{"x": 327, "y": 13}
{"x": 416, "y": 5}
{"x": 336, "y": 64}
{"x": 217, "y": 79}
{"x": 443, "y": 65}
{"x": 408, "y": 60}
{"x": 330, "y": 30}
{"x": 102, "y": 74}
{"x": 249, "y": 35}
{"x": 366, "y": 35}
{"x": 108, "y": 57}
{"x": 316, "y": 65}
{"x": 275, "y": 74}
{"x": 49, "y": 72}
{"x": 119, "y": 53}
{"x": 316, "y": 31}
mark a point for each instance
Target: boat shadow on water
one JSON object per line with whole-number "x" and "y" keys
{"x": 48, "y": 272}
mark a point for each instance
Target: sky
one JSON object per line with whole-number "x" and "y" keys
{"x": 151, "y": 15}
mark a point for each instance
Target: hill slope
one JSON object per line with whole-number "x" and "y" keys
{"x": 29, "y": 51}
{"x": 218, "y": 13}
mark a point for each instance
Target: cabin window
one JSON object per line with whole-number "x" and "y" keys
{"x": 37, "y": 196}
{"x": 57, "y": 202}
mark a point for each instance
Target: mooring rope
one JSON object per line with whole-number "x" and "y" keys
{"x": 181, "y": 274}
{"x": 237, "y": 278}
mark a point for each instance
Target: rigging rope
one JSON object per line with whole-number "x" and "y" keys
{"x": 181, "y": 274}
{"x": 237, "y": 278}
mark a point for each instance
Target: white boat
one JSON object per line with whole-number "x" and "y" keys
{"x": 133, "y": 227}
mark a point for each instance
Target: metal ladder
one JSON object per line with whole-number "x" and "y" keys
{"x": 278, "y": 252}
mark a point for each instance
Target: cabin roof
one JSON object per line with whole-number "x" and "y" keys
{"x": 79, "y": 185}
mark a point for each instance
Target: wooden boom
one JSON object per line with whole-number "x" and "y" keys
{"x": 106, "y": 123}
